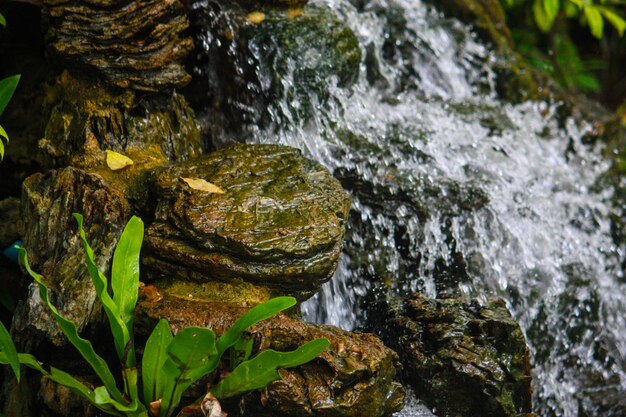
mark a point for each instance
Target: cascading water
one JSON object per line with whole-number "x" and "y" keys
{"x": 455, "y": 191}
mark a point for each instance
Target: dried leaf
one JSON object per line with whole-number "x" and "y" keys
{"x": 202, "y": 185}
{"x": 117, "y": 161}
{"x": 255, "y": 17}
{"x": 211, "y": 406}
{"x": 155, "y": 407}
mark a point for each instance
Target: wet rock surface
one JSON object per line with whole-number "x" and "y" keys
{"x": 87, "y": 118}
{"x": 253, "y": 62}
{"x": 353, "y": 378}
{"x": 137, "y": 44}
{"x": 55, "y": 251}
{"x": 279, "y": 222}
{"x": 461, "y": 358}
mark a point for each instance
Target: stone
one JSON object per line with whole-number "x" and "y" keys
{"x": 354, "y": 377}
{"x": 138, "y": 44}
{"x": 252, "y": 68}
{"x": 279, "y": 224}
{"x": 86, "y": 118}
{"x": 461, "y": 357}
{"x": 55, "y": 251}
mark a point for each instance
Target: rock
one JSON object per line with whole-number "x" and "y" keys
{"x": 354, "y": 377}
{"x": 250, "y": 68}
{"x": 461, "y": 358}
{"x": 86, "y": 118}
{"x": 137, "y": 44}
{"x": 256, "y": 4}
{"x": 279, "y": 223}
{"x": 55, "y": 250}
{"x": 11, "y": 224}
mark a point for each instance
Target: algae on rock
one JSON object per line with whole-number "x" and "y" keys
{"x": 279, "y": 223}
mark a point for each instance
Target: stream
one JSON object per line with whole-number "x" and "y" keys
{"x": 457, "y": 192}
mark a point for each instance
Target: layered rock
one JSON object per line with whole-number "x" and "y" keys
{"x": 279, "y": 223}
{"x": 55, "y": 251}
{"x": 461, "y": 357}
{"x": 354, "y": 377}
{"x": 137, "y": 44}
{"x": 87, "y": 118}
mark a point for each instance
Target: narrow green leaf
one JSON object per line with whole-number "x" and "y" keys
{"x": 3, "y": 21}
{"x": 7, "y": 88}
{"x": 103, "y": 400}
{"x": 72, "y": 383}
{"x": 241, "y": 351}
{"x": 8, "y": 348}
{"x": 258, "y": 313}
{"x": 594, "y": 19}
{"x": 125, "y": 270}
{"x": 614, "y": 19}
{"x": 154, "y": 356}
{"x": 263, "y": 369}
{"x": 189, "y": 351}
{"x": 121, "y": 335}
{"x": 69, "y": 329}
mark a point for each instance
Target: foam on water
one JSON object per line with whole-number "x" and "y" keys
{"x": 541, "y": 239}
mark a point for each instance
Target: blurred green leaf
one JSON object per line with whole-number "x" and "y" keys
{"x": 7, "y": 88}
{"x": 552, "y": 9}
{"x": 594, "y": 20}
{"x": 543, "y": 21}
{"x": 614, "y": 19}
{"x": 8, "y": 348}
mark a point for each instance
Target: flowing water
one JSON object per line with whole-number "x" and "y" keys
{"x": 455, "y": 191}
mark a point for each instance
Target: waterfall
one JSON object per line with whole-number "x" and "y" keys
{"x": 455, "y": 191}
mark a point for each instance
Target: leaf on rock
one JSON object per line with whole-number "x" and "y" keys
{"x": 202, "y": 185}
{"x": 255, "y": 17}
{"x": 117, "y": 161}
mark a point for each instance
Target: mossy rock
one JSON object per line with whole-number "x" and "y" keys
{"x": 279, "y": 222}
{"x": 257, "y": 62}
{"x": 461, "y": 357}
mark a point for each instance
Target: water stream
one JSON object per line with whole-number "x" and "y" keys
{"x": 455, "y": 191}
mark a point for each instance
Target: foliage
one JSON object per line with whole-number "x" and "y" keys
{"x": 7, "y": 88}
{"x": 170, "y": 364}
{"x": 551, "y": 48}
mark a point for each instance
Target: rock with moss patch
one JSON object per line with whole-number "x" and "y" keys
{"x": 139, "y": 44}
{"x": 462, "y": 358}
{"x": 86, "y": 118}
{"x": 255, "y": 62}
{"x": 354, "y": 377}
{"x": 55, "y": 251}
{"x": 279, "y": 222}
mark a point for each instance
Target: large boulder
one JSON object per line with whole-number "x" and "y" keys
{"x": 279, "y": 223}
{"x": 139, "y": 44}
{"x": 462, "y": 357}
{"x": 354, "y": 377}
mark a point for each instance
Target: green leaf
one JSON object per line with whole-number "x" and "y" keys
{"x": 614, "y": 19}
{"x": 189, "y": 351}
{"x": 258, "y": 313}
{"x": 103, "y": 400}
{"x": 241, "y": 351}
{"x": 154, "y": 356}
{"x": 543, "y": 21}
{"x": 8, "y": 348}
{"x": 552, "y": 9}
{"x": 125, "y": 275}
{"x": 263, "y": 369}
{"x": 3, "y": 21}
{"x": 594, "y": 19}
{"x": 7, "y": 88}
{"x": 69, "y": 329}
{"x": 3, "y": 134}
{"x": 121, "y": 335}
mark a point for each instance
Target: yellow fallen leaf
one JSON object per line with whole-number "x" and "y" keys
{"x": 202, "y": 185}
{"x": 117, "y": 161}
{"x": 255, "y": 17}
{"x": 293, "y": 13}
